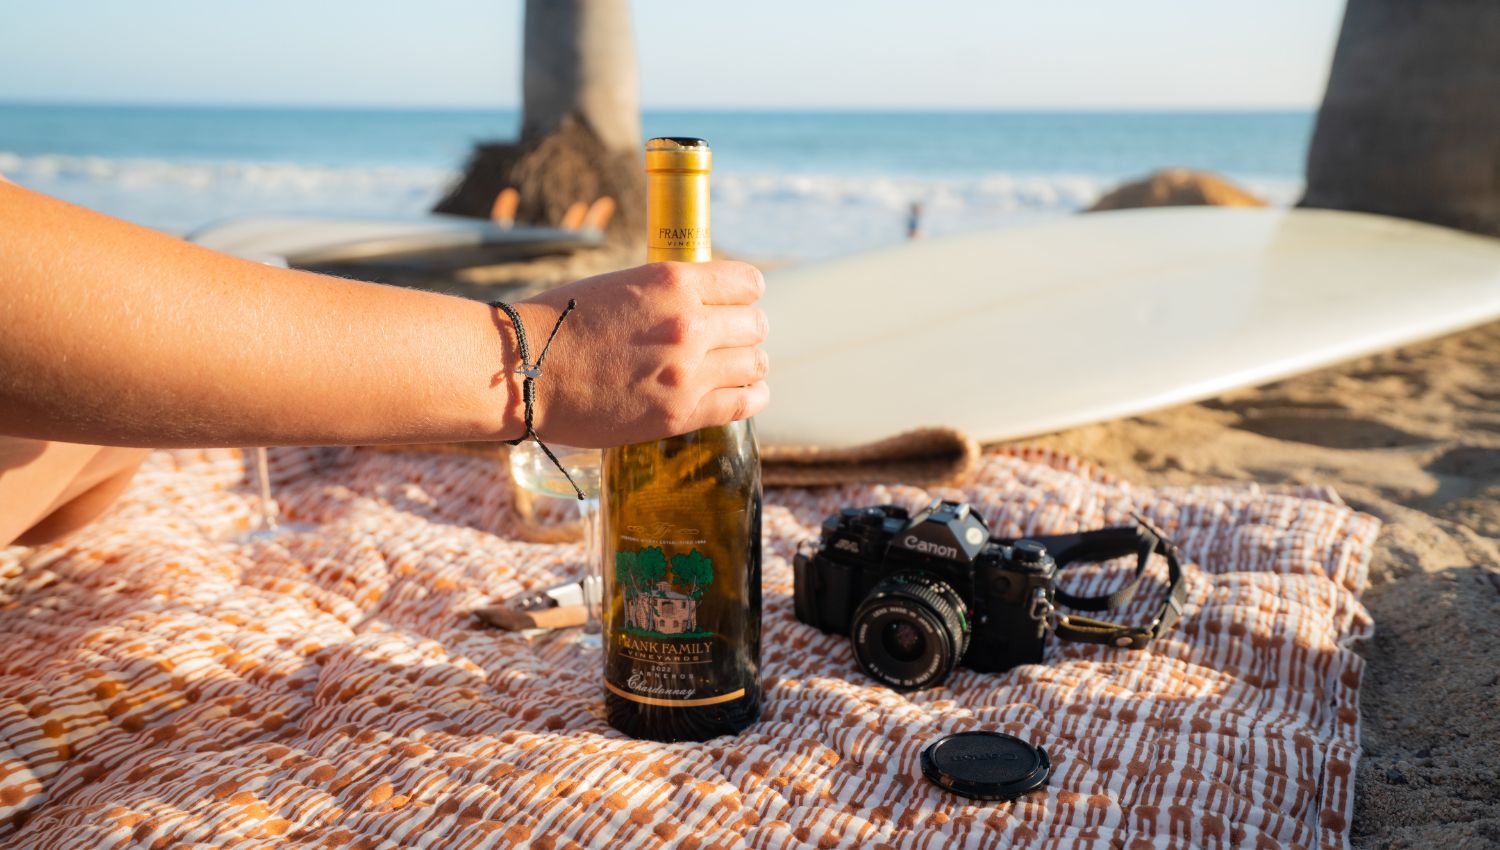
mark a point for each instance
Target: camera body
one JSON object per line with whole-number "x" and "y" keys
{"x": 919, "y": 594}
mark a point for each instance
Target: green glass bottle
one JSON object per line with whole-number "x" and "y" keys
{"x": 681, "y": 531}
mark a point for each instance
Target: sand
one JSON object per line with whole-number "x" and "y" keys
{"x": 1413, "y": 437}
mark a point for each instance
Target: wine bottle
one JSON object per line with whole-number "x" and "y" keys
{"x": 681, "y": 530}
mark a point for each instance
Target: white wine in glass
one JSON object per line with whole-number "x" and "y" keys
{"x": 534, "y": 472}
{"x": 267, "y": 508}
{"x": 267, "y": 523}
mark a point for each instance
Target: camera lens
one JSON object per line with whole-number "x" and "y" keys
{"x": 902, "y": 641}
{"x": 910, "y": 632}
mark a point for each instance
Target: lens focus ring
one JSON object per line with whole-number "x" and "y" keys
{"x": 910, "y": 632}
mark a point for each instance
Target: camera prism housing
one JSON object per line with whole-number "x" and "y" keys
{"x": 918, "y": 595}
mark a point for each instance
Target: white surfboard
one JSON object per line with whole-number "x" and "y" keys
{"x": 1011, "y": 333}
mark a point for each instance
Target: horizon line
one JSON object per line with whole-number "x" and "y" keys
{"x": 647, "y": 108}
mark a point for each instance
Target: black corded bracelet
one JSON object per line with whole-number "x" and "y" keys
{"x": 530, "y": 372}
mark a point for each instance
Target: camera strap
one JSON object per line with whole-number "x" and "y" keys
{"x": 1105, "y": 544}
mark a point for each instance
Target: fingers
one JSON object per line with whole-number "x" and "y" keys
{"x": 735, "y": 367}
{"x": 736, "y": 326}
{"x": 729, "y": 404}
{"x": 727, "y": 282}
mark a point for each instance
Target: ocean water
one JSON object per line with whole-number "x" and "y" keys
{"x": 786, "y": 184}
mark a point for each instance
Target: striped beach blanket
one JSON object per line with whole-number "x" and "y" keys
{"x": 162, "y": 685}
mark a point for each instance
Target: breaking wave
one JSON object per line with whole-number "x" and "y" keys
{"x": 791, "y": 214}
{"x": 1043, "y": 192}
{"x": 176, "y": 194}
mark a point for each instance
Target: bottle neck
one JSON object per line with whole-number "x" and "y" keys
{"x": 677, "y": 217}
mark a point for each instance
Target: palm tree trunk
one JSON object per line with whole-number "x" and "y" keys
{"x": 1410, "y": 123}
{"x": 580, "y": 123}
{"x": 580, "y": 62}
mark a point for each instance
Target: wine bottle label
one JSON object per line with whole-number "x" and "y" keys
{"x": 667, "y": 648}
{"x": 679, "y": 239}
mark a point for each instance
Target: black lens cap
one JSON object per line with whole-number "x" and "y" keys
{"x": 986, "y": 765}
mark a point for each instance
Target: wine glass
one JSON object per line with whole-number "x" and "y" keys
{"x": 266, "y": 509}
{"x": 535, "y": 473}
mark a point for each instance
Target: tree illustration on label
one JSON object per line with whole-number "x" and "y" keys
{"x": 658, "y": 604}
{"x": 693, "y": 569}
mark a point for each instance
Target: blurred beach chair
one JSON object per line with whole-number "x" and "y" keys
{"x": 578, "y": 216}
{"x": 573, "y": 218}
{"x": 503, "y": 211}
{"x": 593, "y": 216}
{"x": 599, "y": 213}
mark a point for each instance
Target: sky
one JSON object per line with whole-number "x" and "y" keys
{"x": 848, "y": 54}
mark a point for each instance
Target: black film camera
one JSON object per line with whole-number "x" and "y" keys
{"x": 918, "y": 594}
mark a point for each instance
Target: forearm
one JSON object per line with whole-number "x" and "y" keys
{"x": 117, "y": 335}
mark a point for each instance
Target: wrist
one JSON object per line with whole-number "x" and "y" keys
{"x": 508, "y": 379}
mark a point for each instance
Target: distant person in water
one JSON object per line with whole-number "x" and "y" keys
{"x": 914, "y": 221}
{"x": 119, "y": 339}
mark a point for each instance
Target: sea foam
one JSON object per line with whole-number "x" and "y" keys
{"x": 762, "y": 215}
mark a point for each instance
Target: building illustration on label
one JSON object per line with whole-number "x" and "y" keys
{"x": 662, "y": 601}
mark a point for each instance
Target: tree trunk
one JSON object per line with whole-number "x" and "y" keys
{"x": 580, "y": 62}
{"x": 580, "y": 123}
{"x": 1410, "y": 124}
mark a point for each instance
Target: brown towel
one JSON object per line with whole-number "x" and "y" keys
{"x": 924, "y": 457}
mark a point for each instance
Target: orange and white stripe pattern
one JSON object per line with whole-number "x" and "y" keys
{"x": 163, "y": 686}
